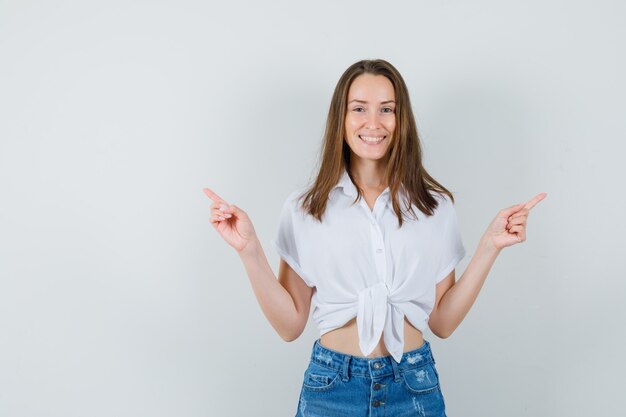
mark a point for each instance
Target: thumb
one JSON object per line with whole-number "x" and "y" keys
{"x": 237, "y": 211}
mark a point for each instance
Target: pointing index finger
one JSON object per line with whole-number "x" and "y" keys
{"x": 213, "y": 196}
{"x": 536, "y": 199}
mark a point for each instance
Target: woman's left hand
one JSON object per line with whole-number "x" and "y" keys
{"x": 509, "y": 226}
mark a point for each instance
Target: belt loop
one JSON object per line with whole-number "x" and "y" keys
{"x": 344, "y": 368}
{"x": 396, "y": 371}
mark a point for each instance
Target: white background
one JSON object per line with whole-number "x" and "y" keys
{"x": 117, "y": 297}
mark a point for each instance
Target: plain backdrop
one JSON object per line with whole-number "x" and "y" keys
{"x": 118, "y": 298}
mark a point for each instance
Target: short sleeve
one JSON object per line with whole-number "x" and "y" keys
{"x": 285, "y": 241}
{"x": 451, "y": 244}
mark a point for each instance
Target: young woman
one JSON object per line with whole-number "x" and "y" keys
{"x": 372, "y": 244}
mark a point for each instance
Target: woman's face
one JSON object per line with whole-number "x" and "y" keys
{"x": 371, "y": 116}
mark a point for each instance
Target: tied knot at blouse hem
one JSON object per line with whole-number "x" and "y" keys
{"x": 360, "y": 262}
{"x": 375, "y": 309}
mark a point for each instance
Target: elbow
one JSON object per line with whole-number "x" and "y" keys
{"x": 292, "y": 329}
{"x": 441, "y": 331}
{"x": 291, "y": 334}
{"x": 289, "y": 337}
{"x": 442, "y": 334}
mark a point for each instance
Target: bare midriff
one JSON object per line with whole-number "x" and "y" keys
{"x": 346, "y": 340}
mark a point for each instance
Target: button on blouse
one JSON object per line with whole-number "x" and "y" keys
{"x": 360, "y": 263}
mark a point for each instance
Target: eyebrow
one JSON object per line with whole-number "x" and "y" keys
{"x": 363, "y": 101}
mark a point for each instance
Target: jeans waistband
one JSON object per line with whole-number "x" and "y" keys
{"x": 371, "y": 367}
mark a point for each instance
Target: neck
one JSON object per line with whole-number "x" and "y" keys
{"x": 369, "y": 174}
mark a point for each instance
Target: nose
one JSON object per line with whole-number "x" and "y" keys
{"x": 373, "y": 120}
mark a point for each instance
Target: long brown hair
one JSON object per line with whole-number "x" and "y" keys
{"x": 404, "y": 154}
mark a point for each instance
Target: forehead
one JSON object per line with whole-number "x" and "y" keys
{"x": 371, "y": 87}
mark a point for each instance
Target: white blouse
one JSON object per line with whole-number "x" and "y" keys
{"x": 361, "y": 264}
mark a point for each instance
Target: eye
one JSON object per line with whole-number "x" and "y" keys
{"x": 387, "y": 108}
{"x": 357, "y": 108}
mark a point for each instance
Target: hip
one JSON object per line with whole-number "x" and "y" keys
{"x": 339, "y": 384}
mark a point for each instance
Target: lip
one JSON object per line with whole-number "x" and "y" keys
{"x": 373, "y": 144}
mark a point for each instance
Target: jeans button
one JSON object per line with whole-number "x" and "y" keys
{"x": 376, "y": 403}
{"x": 377, "y": 365}
{"x": 377, "y": 386}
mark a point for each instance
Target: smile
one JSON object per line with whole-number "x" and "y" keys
{"x": 372, "y": 140}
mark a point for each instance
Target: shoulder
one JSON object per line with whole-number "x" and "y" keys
{"x": 445, "y": 205}
{"x": 442, "y": 198}
{"x": 293, "y": 200}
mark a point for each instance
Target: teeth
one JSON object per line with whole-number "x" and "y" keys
{"x": 370, "y": 139}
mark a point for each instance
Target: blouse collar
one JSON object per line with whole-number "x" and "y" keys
{"x": 346, "y": 184}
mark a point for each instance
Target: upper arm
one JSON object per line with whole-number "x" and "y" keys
{"x": 299, "y": 291}
{"x": 441, "y": 288}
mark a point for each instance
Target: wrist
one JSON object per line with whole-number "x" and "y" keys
{"x": 250, "y": 249}
{"x": 487, "y": 246}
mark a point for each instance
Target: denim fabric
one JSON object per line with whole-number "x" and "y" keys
{"x": 341, "y": 385}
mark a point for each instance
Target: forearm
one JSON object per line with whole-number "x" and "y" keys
{"x": 457, "y": 301}
{"x": 275, "y": 301}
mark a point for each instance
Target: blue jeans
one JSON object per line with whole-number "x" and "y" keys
{"x": 341, "y": 385}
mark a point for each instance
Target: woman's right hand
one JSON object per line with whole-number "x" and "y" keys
{"x": 232, "y": 223}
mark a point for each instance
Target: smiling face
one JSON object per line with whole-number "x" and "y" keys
{"x": 370, "y": 117}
